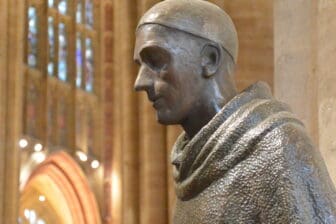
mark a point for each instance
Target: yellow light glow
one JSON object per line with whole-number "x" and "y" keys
{"x": 27, "y": 213}
{"x": 24, "y": 175}
{"x": 95, "y": 164}
{"x": 115, "y": 186}
{"x": 82, "y": 156}
{"x": 23, "y": 143}
{"x": 38, "y": 147}
{"x": 42, "y": 198}
{"x": 39, "y": 157}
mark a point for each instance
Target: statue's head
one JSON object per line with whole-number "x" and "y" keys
{"x": 187, "y": 50}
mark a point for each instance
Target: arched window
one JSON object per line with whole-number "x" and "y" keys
{"x": 61, "y": 83}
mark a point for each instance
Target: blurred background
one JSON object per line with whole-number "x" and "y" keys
{"x": 79, "y": 146}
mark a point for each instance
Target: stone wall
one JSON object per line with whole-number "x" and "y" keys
{"x": 305, "y": 64}
{"x": 326, "y": 85}
{"x": 254, "y": 23}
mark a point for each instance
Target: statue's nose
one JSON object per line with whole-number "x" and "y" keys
{"x": 143, "y": 81}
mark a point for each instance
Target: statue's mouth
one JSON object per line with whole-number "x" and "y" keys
{"x": 156, "y": 102}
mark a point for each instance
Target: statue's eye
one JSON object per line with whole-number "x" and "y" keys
{"x": 155, "y": 57}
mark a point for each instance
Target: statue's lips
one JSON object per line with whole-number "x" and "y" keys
{"x": 155, "y": 99}
{"x": 156, "y": 102}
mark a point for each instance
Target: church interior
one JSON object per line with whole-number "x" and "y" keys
{"x": 79, "y": 146}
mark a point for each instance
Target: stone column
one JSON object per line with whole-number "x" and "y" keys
{"x": 112, "y": 145}
{"x": 125, "y": 22}
{"x": 11, "y": 67}
{"x": 3, "y": 106}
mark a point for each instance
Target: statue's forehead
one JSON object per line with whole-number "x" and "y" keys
{"x": 172, "y": 40}
{"x": 154, "y": 35}
{"x": 153, "y": 32}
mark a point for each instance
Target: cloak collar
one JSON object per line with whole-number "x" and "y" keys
{"x": 214, "y": 150}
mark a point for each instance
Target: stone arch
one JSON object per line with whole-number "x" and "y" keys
{"x": 60, "y": 175}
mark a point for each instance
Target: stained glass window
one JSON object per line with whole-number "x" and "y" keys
{"x": 89, "y": 65}
{"x": 33, "y": 100}
{"x": 62, "y": 6}
{"x": 89, "y": 13}
{"x": 79, "y": 12}
{"x": 51, "y": 41}
{"x": 62, "y": 52}
{"x": 51, "y": 119}
{"x": 32, "y": 37}
{"x": 60, "y": 99}
{"x": 90, "y": 132}
{"x": 79, "y": 61}
{"x": 51, "y": 3}
{"x": 62, "y": 122}
{"x": 56, "y": 44}
{"x": 80, "y": 112}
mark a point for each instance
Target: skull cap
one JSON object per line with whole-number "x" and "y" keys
{"x": 197, "y": 17}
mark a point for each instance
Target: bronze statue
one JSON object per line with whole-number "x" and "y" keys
{"x": 244, "y": 157}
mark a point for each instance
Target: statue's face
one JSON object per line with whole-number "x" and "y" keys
{"x": 170, "y": 71}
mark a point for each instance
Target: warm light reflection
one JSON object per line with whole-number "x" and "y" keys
{"x": 82, "y": 156}
{"x": 42, "y": 198}
{"x": 26, "y": 213}
{"x": 115, "y": 187}
{"x": 31, "y": 217}
{"x": 23, "y": 143}
{"x": 95, "y": 164}
{"x": 39, "y": 157}
{"x": 40, "y": 221}
{"x": 38, "y": 147}
{"x": 24, "y": 175}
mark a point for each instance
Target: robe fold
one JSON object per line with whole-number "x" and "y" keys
{"x": 252, "y": 163}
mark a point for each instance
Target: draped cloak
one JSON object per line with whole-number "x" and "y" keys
{"x": 252, "y": 163}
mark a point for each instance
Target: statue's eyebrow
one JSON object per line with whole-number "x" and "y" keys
{"x": 151, "y": 46}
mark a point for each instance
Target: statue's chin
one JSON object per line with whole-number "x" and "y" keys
{"x": 165, "y": 120}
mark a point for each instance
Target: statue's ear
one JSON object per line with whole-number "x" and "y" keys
{"x": 211, "y": 55}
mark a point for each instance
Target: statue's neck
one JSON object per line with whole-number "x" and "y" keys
{"x": 216, "y": 95}
{"x": 194, "y": 123}
{"x": 202, "y": 115}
